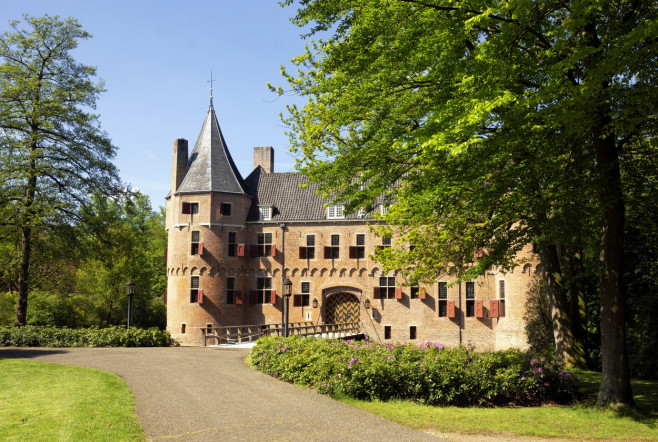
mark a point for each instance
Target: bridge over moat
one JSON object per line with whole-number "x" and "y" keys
{"x": 248, "y": 333}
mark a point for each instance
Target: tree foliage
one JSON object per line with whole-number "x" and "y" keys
{"x": 53, "y": 153}
{"x": 491, "y": 125}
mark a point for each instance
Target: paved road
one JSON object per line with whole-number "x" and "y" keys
{"x": 208, "y": 394}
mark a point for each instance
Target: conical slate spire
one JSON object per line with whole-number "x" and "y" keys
{"x": 210, "y": 167}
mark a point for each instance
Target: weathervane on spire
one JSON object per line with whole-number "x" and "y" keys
{"x": 211, "y": 80}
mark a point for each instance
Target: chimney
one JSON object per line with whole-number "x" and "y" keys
{"x": 264, "y": 157}
{"x": 179, "y": 163}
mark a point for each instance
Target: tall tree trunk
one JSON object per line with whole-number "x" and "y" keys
{"x": 26, "y": 238}
{"x": 615, "y": 375}
{"x": 23, "y": 275}
{"x": 559, "y": 307}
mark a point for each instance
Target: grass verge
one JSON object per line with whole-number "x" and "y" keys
{"x": 43, "y": 401}
{"x": 581, "y": 421}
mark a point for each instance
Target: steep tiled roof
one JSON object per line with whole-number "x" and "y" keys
{"x": 286, "y": 194}
{"x": 210, "y": 167}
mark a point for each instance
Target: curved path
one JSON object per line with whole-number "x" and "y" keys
{"x": 187, "y": 393}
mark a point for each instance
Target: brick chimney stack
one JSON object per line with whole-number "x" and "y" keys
{"x": 264, "y": 157}
{"x": 179, "y": 168}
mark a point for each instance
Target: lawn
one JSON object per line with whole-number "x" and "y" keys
{"x": 581, "y": 421}
{"x": 43, "y": 401}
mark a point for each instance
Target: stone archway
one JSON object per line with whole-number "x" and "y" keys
{"x": 342, "y": 307}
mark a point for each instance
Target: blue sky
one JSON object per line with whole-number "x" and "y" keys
{"x": 155, "y": 58}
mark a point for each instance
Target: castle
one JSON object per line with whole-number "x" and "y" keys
{"x": 233, "y": 240}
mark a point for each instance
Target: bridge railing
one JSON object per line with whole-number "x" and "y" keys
{"x": 247, "y": 333}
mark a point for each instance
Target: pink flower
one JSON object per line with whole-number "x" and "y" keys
{"x": 389, "y": 357}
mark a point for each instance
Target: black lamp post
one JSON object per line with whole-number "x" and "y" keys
{"x": 287, "y": 291}
{"x": 130, "y": 291}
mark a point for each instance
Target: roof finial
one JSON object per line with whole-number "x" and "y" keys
{"x": 211, "y": 80}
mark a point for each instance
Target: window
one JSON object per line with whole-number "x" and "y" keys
{"x": 414, "y": 290}
{"x": 197, "y": 246}
{"x": 386, "y": 242}
{"x": 412, "y": 332}
{"x": 230, "y": 290}
{"x": 303, "y": 300}
{"x": 194, "y": 289}
{"x": 387, "y": 332}
{"x": 333, "y": 251}
{"x": 225, "y": 209}
{"x": 443, "y": 299}
{"x": 231, "y": 244}
{"x": 383, "y": 209}
{"x": 335, "y": 211}
{"x": 308, "y": 252}
{"x": 470, "y": 299}
{"x": 359, "y": 251}
{"x": 265, "y": 213}
{"x": 264, "y": 244}
{"x": 208, "y": 328}
{"x": 387, "y": 289}
{"x": 501, "y": 298}
{"x": 183, "y": 326}
{"x": 190, "y": 208}
{"x": 264, "y": 290}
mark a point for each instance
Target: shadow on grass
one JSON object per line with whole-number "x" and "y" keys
{"x": 28, "y": 353}
{"x": 645, "y": 394}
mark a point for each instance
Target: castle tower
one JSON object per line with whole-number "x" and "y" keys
{"x": 207, "y": 210}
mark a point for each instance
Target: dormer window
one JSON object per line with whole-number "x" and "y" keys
{"x": 265, "y": 213}
{"x": 335, "y": 211}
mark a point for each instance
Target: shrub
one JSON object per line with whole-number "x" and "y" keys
{"x": 427, "y": 373}
{"x": 34, "y": 336}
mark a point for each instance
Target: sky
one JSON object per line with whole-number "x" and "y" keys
{"x": 155, "y": 58}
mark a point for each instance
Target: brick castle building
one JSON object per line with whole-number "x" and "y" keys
{"x": 232, "y": 240}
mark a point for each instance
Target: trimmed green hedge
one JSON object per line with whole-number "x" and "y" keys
{"x": 35, "y": 336}
{"x": 426, "y": 373}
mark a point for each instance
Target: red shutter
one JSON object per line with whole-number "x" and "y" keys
{"x": 199, "y": 298}
{"x": 450, "y": 309}
{"x": 479, "y": 309}
{"x": 186, "y": 209}
{"x": 422, "y": 293}
{"x": 328, "y": 252}
{"x": 493, "y": 309}
{"x": 273, "y": 297}
{"x": 238, "y": 297}
{"x": 240, "y": 250}
{"x": 353, "y": 252}
{"x": 376, "y": 293}
{"x": 398, "y": 292}
{"x": 200, "y": 248}
{"x": 303, "y": 253}
{"x": 273, "y": 250}
{"x": 253, "y": 251}
{"x": 253, "y": 296}
{"x": 297, "y": 300}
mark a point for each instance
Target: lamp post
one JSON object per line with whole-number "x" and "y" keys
{"x": 130, "y": 291}
{"x": 287, "y": 291}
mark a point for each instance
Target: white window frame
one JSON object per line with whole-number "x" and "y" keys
{"x": 265, "y": 213}
{"x": 336, "y": 211}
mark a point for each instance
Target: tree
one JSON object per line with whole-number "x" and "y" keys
{"x": 53, "y": 153}
{"x": 490, "y": 124}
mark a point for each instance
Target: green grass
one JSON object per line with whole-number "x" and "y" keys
{"x": 42, "y": 401}
{"x": 581, "y": 421}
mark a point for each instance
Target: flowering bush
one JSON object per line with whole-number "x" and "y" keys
{"x": 426, "y": 373}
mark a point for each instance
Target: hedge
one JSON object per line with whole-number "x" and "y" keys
{"x": 426, "y": 373}
{"x": 36, "y": 336}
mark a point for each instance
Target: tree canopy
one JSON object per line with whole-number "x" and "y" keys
{"x": 53, "y": 153}
{"x": 489, "y": 125}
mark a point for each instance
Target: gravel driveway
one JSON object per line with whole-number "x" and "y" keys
{"x": 208, "y": 394}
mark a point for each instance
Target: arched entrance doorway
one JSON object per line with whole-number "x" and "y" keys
{"x": 342, "y": 307}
